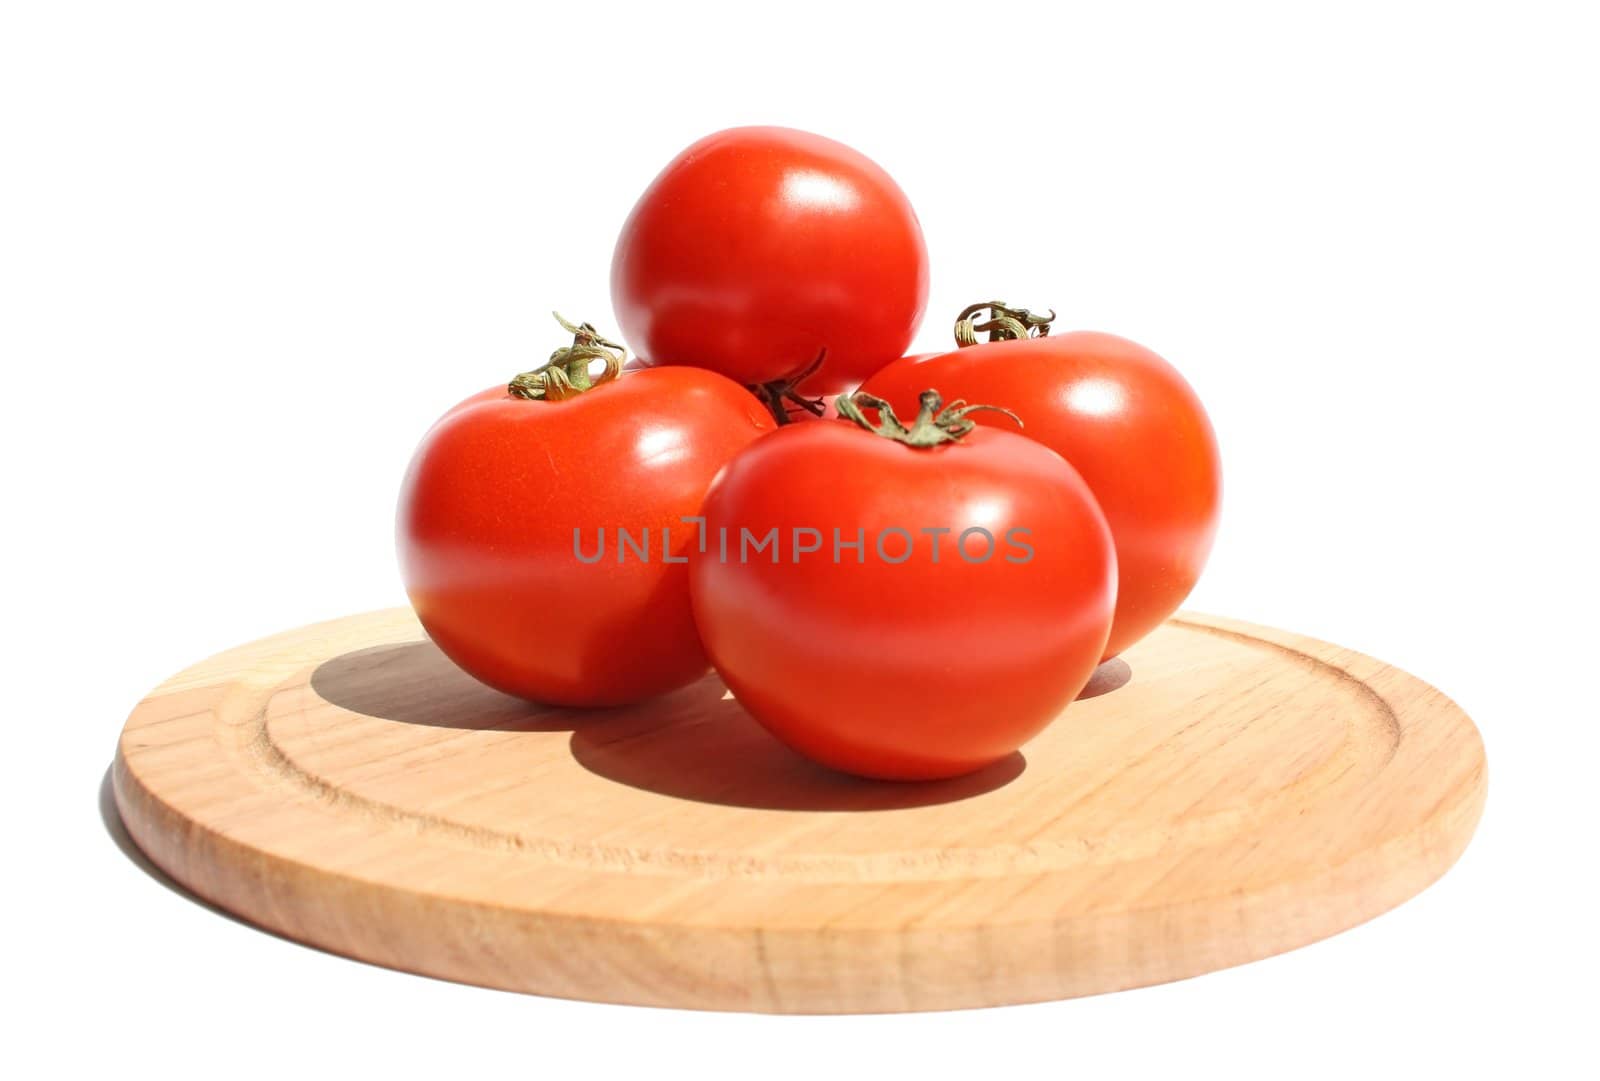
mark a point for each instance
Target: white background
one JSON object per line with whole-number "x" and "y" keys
{"x": 247, "y": 253}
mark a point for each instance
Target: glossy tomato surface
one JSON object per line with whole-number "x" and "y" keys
{"x": 757, "y": 248}
{"x": 907, "y": 661}
{"x": 486, "y": 527}
{"x": 1128, "y": 423}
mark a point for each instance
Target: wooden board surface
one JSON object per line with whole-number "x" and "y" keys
{"x": 1223, "y": 793}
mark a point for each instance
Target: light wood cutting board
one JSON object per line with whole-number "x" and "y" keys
{"x": 1223, "y": 793}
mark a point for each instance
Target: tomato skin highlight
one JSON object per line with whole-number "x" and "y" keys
{"x": 485, "y": 533}
{"x": 914, "y": 670}
{"x": 758, "y": 247}
{"x": 1127, "y": 422}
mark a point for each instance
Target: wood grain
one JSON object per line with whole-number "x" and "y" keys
{"x": 1223, "y": 793}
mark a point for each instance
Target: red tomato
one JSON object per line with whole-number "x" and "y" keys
{"x": 758, "y": 247}
{"x": 922, "y": 654}
{"x": 1128, "y": 423}
{"x": 486, "y": 528}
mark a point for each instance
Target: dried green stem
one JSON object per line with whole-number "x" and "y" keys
{"x": 935, "y": 423}
{"x": 566, "y": 374}
{"x": 1004, "y": 323}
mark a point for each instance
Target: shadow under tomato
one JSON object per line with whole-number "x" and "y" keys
{"x": 696, "y": 743}
{"x": 1110, "y": 676}
{"x": 715, "y": 752}
{"x": 415, "y": 683}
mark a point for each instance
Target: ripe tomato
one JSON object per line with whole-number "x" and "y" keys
{"x": 1128, "y": 423}
{"x": 881, "y": 633}
{"x": 756, "y": 248}
{"x": 487, "y": 520}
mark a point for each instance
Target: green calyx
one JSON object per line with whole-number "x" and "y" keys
{"x": 566, "y": 374}
{"x": 935, "y": 424}
{"x": 1003, "y": 323}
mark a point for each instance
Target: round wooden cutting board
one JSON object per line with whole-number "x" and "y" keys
{"x": 1223, "y": 793}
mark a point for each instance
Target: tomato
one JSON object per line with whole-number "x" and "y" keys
{"x": 928, "y": 651}
{"x": 757, "y": 248}
{"x": 1129, "y": 424}
{"x": 504, "y": 494}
